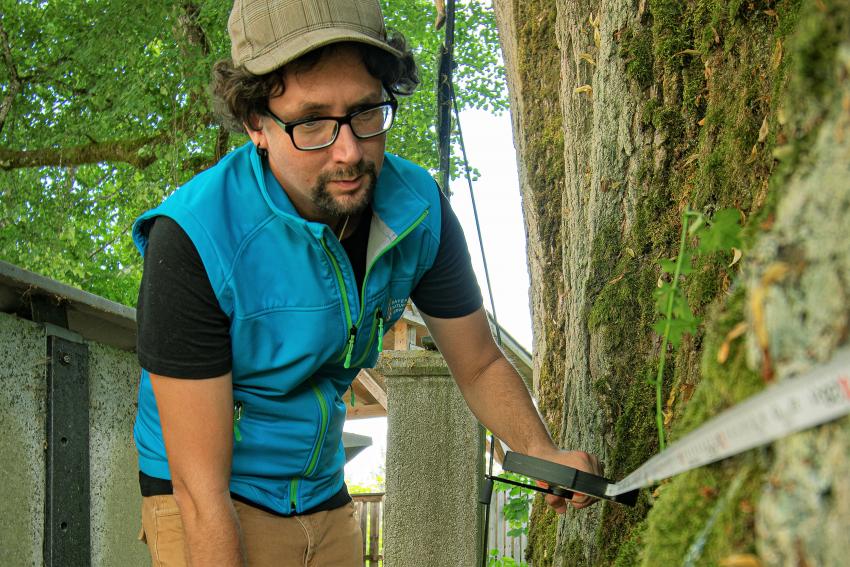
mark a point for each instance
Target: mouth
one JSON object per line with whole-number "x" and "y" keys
{"x": 348, "y": 184}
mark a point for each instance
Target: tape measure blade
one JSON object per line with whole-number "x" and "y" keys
{"x": 816, "y": 397}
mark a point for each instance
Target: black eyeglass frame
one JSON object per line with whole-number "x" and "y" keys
{"x": 288, "y": 127}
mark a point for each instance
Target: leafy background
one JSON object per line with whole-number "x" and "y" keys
{"x": 104, "y": 112}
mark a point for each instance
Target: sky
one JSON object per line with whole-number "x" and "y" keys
{"x": 490, "y": 149}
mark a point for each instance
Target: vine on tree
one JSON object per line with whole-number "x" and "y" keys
{"x": 722, "y": 232}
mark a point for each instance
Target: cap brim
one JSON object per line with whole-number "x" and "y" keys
{"x": 291, "y": 49}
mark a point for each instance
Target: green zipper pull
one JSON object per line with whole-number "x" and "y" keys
{"x": 352, "y": 334}
{"x": 380, "y": 317}
{"x": 351, "y": 398}
{"x": 237, "y": 415}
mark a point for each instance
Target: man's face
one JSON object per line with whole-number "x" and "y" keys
{"x": 330, "y": 183}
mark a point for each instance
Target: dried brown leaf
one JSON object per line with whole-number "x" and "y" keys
{"x": 587, "y": 57}
{"x": 764, "y": 130}
{"x": 776, "y": 58}
{"x": 737, "y": 331}
{"x": 741, "y": 560}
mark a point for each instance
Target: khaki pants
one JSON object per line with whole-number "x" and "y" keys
{"x": 323, "y": 539}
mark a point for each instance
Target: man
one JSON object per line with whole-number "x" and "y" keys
{"x": 268, "y": 281}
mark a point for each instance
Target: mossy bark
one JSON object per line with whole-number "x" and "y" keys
{"x": 656, "y": 105}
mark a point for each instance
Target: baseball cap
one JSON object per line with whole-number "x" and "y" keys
{"x": 267, "y": 34}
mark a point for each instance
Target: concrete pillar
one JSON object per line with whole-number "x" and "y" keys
{"x": 435, "y": 466}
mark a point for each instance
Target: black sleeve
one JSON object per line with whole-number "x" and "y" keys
{"x": 183, "y": 332}
{"x": 449, "y": 289}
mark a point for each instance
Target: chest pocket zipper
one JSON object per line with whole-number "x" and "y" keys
{"x": 237, "y": 417}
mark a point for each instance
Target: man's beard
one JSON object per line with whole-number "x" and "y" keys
{"x": 331, "y": 206}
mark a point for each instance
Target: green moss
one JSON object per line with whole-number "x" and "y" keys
{"x": 630, "y": 552}
{"x": 682, "y": 515}
{"x": 685, "y": 503}
{"x": 541, "y": 539}
{"x": 636, "y": 49}
{"x": 668, "y": 39}
{"x": 715, "y": 73}
{"x": 544, "y": 159}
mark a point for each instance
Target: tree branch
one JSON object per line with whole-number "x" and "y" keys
{"x": 221, "y": 142}
{"x": 14, "y": 81}
{"x": 129, "y": 151}
{"x": 110, "y": 242}
{"x": 191, "y": 29}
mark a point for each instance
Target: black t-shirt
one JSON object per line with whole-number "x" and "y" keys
{"x": 183, "y": 332}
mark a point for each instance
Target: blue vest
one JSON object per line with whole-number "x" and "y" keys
{"x": 300, "y": 328}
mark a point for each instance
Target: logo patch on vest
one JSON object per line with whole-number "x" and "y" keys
{"x": 395, "y": 306}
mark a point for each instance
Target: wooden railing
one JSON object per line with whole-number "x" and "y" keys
{"x": 498, "y": 538}
{"x": 370, "y": 509}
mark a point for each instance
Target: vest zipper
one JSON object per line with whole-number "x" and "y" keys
{"x": 324, "y": 409}
{"x": 293, "y": 485}
{"x": 377, "y": 322}
{"x": 352, "y": 337}
{"x": 352, "y": 329}
{"x": 392, "y": 245}
{"x": 237, "y": 416}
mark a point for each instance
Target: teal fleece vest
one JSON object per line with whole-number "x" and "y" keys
{"x": 300, "y": 329}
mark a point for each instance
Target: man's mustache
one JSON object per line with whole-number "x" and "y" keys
{"x": 358, "y": 169}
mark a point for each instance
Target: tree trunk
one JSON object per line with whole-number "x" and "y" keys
{"x": 626, "y": 112}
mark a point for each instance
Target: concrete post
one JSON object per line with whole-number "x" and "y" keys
{"x": 435, "y": 466}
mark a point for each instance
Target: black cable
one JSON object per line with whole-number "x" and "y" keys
{"x": 447, "y": 84}
{"x": 444, "y": 99}
{"x": 487, "y": 489}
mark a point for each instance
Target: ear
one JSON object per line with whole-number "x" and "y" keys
{"x": 258, "y": 136}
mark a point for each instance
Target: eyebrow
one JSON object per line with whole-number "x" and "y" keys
{"x": 318, "y": 107}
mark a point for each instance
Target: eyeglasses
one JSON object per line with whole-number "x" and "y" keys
{"x": 319, "y": 132}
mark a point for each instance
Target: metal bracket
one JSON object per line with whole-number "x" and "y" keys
{"x": 67, "y": 539}
{"x": 44, "y": 309}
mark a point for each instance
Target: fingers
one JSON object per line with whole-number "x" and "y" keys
{"x": 557, "y": 503}
{"x": 580, "y": 501}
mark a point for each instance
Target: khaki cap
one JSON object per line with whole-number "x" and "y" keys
{"x": 267, "y": 34}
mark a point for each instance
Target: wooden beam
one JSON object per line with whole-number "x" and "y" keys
{"x": 362, "y": 411}
{"x": 400, "y": 335}
{"x": 366, "y": 379}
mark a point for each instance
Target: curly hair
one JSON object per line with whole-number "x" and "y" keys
{"x": 239, "y": 97}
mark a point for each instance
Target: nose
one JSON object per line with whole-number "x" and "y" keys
{"x": 346, "y": 149}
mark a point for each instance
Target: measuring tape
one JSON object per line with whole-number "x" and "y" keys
{"x": 816, "y": 397}
{"x": 813, "y": 398}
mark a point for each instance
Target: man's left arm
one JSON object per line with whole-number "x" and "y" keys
{"x": 497, "y": 395}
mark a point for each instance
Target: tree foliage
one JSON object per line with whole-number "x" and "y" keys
{"x": 104, "y": 111}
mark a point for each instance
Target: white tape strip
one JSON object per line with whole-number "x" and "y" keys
{"x": 789, "y": 406}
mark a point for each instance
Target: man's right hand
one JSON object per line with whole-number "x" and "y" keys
{"x": 577, "y": 460}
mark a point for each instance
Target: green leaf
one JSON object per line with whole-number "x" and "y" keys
{"x": 676, "y": 330}
{"x": 669, "y": 266}
{"x": 697, "y": 225}
{"x": 723, "y": 233}
{"x": 662, "y": 296}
